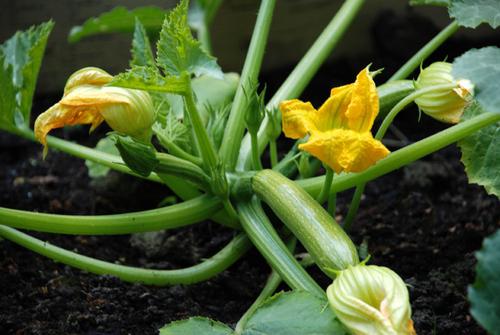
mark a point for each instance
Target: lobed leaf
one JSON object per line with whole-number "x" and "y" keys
{"x": 149, "y": 79}
{"x": 21, "y": 57}
{"x": 196, "y": 326}
{"x": 471, "y": 13}
{"x": 294, "y": 313}
{"x": 482, "y": 68}
{"x": 172, "y": 130}
{"x": 483, "y": 294}
{"x": 142, "y": 55}
{"x": 178, "y": 51}
{"x": 119, "y": 19}
{"x": 481, "y": 153}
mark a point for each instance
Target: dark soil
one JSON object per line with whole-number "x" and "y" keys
{"x": 424, "y": 221}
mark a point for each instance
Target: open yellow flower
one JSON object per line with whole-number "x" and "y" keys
{"x": 87, "y": 101}
{"x": 339, "y": 132}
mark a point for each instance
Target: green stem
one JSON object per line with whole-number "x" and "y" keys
{"x": 403, "y": 156}
{"x": 194, "y": 274}
{"x": 303, "y": 72}
{"x": 332, "y": 204}
{"x": 178, "y": 215}
{"x": 261, "y": 232}
{"x": 327, "y": 185}
{"x": 112, "y": 161}
{"x": 236, "y": 122}
{"x": 257, "y": 164}
{"x": 358, "y": 193}
{"x": 203, "y": 142}
{"x": 272, "y": 284}
{"x": 169, "y": 164}
{"x": 203, "y": 35}
{"x": 175, "y": 150}
{"x": 273, "y": 152}
{"x": 425, "y": 52}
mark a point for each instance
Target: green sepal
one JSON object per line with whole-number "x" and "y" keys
{"x": 139, "y": 157}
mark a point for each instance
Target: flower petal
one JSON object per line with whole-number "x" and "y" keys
{"x": 345, "y": 150}
{"x": 298, "y": 118}
{"x": 363, "y": 102}
{"x": 332, "y": 114}
{"x": 59, "y": 116}
{"x": 87, "y": 76}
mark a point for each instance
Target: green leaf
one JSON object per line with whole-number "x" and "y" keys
{"x": 172, "y": 130}
{"x": 294, "y": 313}
{"x": 443, "y": 3}
{"x": 119, "y": 19}
{"x": 178, "y": 51}
{"x": 106, "y": 145}
{"x": 483, "y": 295}
{"x": 139, "y": 157}
{"x": 482, "y": 68}
{"x": 7, "y": 94}
{"x": 22, "y": 56}
{"x": 142, "y": 55}
{"x": 481, "y": 153}
{"x": 471, "y": 13}
{"x": 149, "y": 79}
{"x": 196, "y": 326}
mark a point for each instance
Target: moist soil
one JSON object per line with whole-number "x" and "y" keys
{"x": 423, "y": 221}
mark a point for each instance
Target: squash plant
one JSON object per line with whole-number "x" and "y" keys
{"x": 177, "y": 119}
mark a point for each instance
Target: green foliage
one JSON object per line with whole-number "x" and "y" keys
{"x": 443, "y": 3}
{"x": 471, "y": 13}
{"x": 21, "y": 57}
{"x": 106, "y": 145}
{"x": 483, "y": 295}
{"x": 294, "y": 313}
{"x": 291, "y": 313}
{"x": 149, "y": 79}
{"x": 142, "y": 54}
{"x": 196, "y": 326}
{"x": 482, "y": 68}
{"x": 217, "y": 120}
{"x": 172, "y": 130}
{"x": 119, "y": 19}
{"x": 179, "y": 52}
{"x": 139, "y": 157}
{"x": 481, "y": 153}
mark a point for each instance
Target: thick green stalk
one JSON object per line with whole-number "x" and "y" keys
{"x": 265, "y": 238}
{"x": 178, "y": 215}
{"x": 303, "y": 72}
{"x": 236, "y": 123}
{"x": 403, "y": 156}
{"x": 273, "y": 152}
{"x": 112, "y": 161}
{"x": 194, "y": 274}
{"x": 257, "y": 164}
{"x": 169, "y": 164}
{"x": 358, "y": 193}
{"x": 417, "y": 59}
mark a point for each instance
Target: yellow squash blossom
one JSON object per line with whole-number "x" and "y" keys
{"x": 370, "y": 299}
{"x": 339, "y": 132}
{"x": 87, "y": 101}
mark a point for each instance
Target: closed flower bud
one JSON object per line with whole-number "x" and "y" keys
{"x": 371, "y": 300}
{"x": 447, "y": 104}
{"x": 87, "y": 101}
